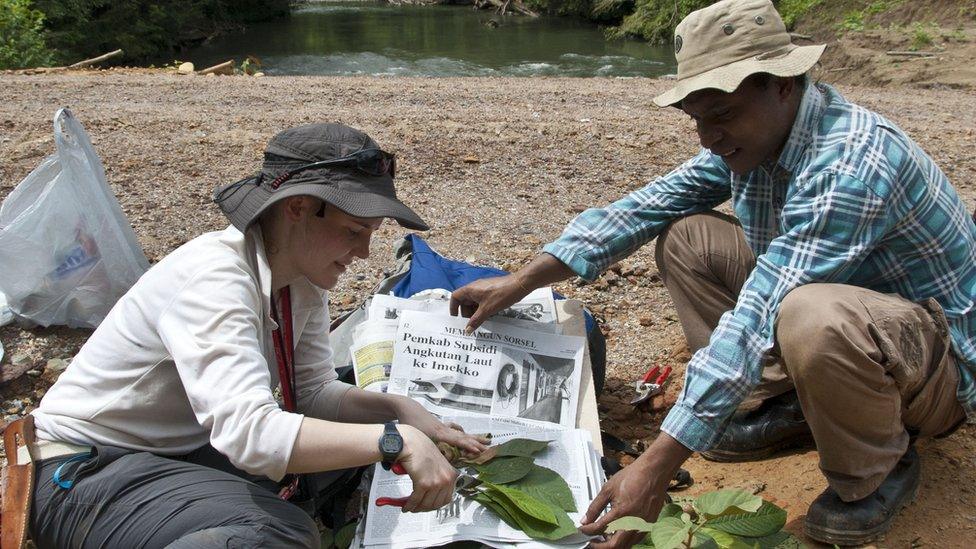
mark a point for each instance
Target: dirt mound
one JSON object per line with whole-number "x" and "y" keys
{"x": 925, "y": 43}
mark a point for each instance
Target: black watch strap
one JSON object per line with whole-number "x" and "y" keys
{"x": 390, "y": 444}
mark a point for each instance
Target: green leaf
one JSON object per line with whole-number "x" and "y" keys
{"x": 767, "y": 520}
{"x": 670, "y": 510}
{"x": 713, "y": 504}
{"x": 503, "y": 470}
{"x": 521, "y": 447}
{"x": 532, "y": 527}
{"x": 522, "y": 502}
{"x": 670, "y": 533}
{"x": 496, "y": 508}
{"x": 724, "y": 540}
{"x": 701, "y": 541}
{"x": 779, "y": 540}
{"x": 326, "y": 537}
{"x": 630, "y": 523}
{"x": 343, "y": 538}
{"x": 548, "y": 486}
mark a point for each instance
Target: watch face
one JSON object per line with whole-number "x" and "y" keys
{"x": 391, "y": 444}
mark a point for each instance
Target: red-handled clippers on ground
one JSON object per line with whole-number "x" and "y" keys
{"x": 652, "y": 384}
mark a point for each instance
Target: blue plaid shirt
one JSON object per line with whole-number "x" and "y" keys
{"x": 851, "y": 200}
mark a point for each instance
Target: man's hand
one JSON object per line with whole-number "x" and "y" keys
{"x": 433, "y": 477}
{"x": 409, "y": 412}
{"x": 636, "y": 491}
{"x": 485, "y": 297}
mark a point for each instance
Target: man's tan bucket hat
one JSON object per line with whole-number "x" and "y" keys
{"x": 719, "y": 46}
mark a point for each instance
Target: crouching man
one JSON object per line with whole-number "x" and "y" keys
{"x": 838, "y": 306}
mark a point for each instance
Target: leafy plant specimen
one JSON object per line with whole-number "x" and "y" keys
{"x": 527, "y": 496}
{"x": 725, "y": 519}
{"x": 340, "y": 539}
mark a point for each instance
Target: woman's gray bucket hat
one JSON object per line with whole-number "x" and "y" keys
{"x": 345, "y": 187}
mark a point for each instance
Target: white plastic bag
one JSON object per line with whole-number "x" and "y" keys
{"x": 67, "y": 252}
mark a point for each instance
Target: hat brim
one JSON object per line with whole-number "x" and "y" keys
{"x": 727, "y": 78}
{"x": 252, "y": 199}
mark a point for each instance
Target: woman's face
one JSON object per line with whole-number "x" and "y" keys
{"x": 331, "y": 242}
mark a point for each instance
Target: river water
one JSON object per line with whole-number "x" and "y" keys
{"x": 355, "y": 38}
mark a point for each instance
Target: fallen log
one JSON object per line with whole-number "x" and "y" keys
{"x": 94, "y": 60}
{"x": 502, "y": 6}
{"x": 912, "y": 53}
{"x": 227, "y": 67}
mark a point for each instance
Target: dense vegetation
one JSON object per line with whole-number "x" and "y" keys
{"x": 651, "y": 20}
{"x": 39, "y": 32}
{"x": 22, "y": 35}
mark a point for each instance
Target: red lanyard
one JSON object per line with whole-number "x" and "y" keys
{"x": 284, "y": 345}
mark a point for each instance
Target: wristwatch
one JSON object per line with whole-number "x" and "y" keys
{"x": 391, "y": 444}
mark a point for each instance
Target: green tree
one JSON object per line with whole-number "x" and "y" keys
{"x": 145, "y": 30}
{"x": 655, "y": 20}
{"x": 22, "y": 36}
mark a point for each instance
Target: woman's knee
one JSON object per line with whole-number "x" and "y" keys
{"x": 296, "y": 530}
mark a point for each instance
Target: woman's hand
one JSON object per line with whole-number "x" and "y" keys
{"x": 433, "y": 477}
{"x": 411, "y": 413}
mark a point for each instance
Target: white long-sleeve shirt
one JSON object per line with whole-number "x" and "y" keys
{"x": 186, "y": 358}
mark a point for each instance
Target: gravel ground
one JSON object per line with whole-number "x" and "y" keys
{"x": 498, "y": 166}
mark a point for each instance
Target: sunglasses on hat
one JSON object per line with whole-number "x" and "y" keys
{"x": 374, "y": 162}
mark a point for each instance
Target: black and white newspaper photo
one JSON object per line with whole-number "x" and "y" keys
{"x": 500, "y": 369}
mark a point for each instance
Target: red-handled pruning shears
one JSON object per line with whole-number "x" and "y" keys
{"x": 647, "y": 389}
{"x": 465, "y": 485}
{"x": 397, "y": 469}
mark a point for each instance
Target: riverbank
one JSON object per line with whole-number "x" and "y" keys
{"x": 499, "y": 166}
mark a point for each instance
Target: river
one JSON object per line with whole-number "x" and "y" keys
{"x": 357, "y": 38}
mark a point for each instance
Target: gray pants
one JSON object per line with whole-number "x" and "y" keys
{"x": 129, "y": 500}
{"x": 870, "y": 369}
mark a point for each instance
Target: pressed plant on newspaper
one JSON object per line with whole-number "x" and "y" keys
{"x": 724, "y": 519}
{"x": 527, "y": 496}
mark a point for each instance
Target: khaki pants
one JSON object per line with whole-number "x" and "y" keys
{"x": 870, "y": 369}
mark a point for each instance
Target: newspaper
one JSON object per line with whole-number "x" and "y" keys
{"x": 371, "y": 348}
{"x": 537, "y": 311}
{"x": 372, "y": 353}
{"x": 570, "y": 452}
{"x": 516, "y": 376}
{"x": 499, "y": 370}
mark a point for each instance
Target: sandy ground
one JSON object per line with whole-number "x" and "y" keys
{"x": 499, "y": 166}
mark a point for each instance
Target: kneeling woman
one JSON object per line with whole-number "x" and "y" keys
{"x": 165, "y": 430}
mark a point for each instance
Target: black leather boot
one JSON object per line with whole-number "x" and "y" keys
{"x": 777, "y": 424}
{"x": 832, "y": 520}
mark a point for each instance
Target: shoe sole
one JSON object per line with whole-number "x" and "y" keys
{"x": 720, "y": 456}
{"x": 856, "y": 537}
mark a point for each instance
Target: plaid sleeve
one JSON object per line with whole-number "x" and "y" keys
{"x": 599, "y": 237}
{"x": 831, "y": 225}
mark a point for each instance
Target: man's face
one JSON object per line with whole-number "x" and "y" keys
{"x": 332, "y": 242}
{"x": 747, "y": 126}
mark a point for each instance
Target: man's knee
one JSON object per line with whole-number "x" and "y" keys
{"x": 815, "y": 319}
{"x": 686, "y": 235}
